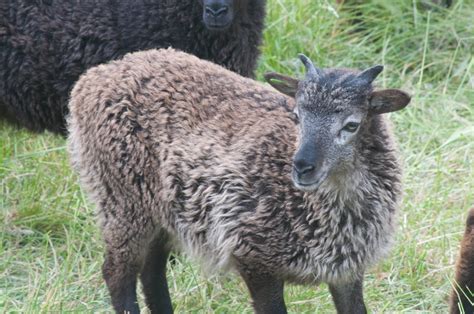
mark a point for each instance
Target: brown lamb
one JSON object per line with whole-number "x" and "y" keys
{"x": 180, "y": 154}
{"x": 462, "y": 296}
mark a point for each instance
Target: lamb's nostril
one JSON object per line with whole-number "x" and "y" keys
{"x": 303, "y": 168}
{"x": 217, "y": 11}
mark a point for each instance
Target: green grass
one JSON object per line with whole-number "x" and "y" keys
{"x": 50, "y": 246}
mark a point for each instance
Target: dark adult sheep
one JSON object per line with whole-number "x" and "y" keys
{"x": 45, "y": 45}
{"x": 462, "y": 296}
{"x": 179, "y": 153}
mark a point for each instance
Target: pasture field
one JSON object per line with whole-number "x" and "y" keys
{"x": 50, "y": 246}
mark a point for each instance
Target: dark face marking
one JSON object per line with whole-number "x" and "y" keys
{"x": 330, "y": 110}
{"x": 332, "y": 106}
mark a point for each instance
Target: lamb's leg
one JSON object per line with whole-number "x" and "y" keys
{"x": 153, "y": 277}
{"x": 266, "y": 292}
{"x": 348, "y": 297}
{"x": 463, "y": 294}
{"x": 120, "y": 274}
{"x": 125, "y": 240}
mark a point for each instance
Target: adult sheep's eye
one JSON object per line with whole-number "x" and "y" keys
{"x": 351, "y": 127}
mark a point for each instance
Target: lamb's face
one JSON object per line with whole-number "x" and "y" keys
{"x": 333, "y": 107}
{"x": 331, "y": 116}
{"x": 218, "y": 14}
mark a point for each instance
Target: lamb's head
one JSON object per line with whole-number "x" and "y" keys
{"x": 333, "y": 108}
{"x": 218, "y": 15}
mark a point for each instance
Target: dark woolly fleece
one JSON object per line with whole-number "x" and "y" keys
{"x": 45, "y": 45}
{"x": 463, "y": 294}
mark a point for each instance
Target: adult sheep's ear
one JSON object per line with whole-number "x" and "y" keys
{"x": 282, "y": 83}
{"x": 388, "y": 100}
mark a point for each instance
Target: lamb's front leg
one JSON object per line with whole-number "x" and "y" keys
{"x": 348, "y": 297}
{"x": 266, "y": 292}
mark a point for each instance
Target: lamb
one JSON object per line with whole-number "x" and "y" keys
{"x": 463, "y": 293}
{"x": 180, "y": 154}
{"x": 45, "y": 45}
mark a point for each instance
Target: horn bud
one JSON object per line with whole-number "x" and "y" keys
{"x": 311, "y": 70}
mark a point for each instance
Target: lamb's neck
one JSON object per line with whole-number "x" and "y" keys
{"x": 345, "y": 191}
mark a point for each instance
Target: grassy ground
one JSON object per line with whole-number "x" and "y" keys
{"x": 50, "y": 247}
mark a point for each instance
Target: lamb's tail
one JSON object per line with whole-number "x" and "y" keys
{"x": 462, "y": 297}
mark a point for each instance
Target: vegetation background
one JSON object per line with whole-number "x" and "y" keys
{"x": 50, "y": 246}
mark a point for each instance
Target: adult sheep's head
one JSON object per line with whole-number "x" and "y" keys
{"x": 333, "y": 107}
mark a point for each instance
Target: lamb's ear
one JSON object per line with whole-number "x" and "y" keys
{"x": 282, "y": 83}
{"x": 388, "y": 100}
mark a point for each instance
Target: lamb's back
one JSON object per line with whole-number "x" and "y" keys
{"x": 175, "y": 90}
{"x": 185, "y": 112}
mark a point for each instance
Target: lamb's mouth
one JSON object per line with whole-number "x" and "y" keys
{"x": 309, "y": 186}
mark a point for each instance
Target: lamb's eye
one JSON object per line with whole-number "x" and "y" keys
{"x": 296, "y": 116}
{"x": 295, "y": 111}
{"x": 351, "y": 127}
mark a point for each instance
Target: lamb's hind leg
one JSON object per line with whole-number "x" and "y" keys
{"x": 124, "y": 259}
{"x": 266, "y": 292}
{"x": 120, "y": 274}
{"x": 348, "y": 297}
{"x": 153, "y": 277}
